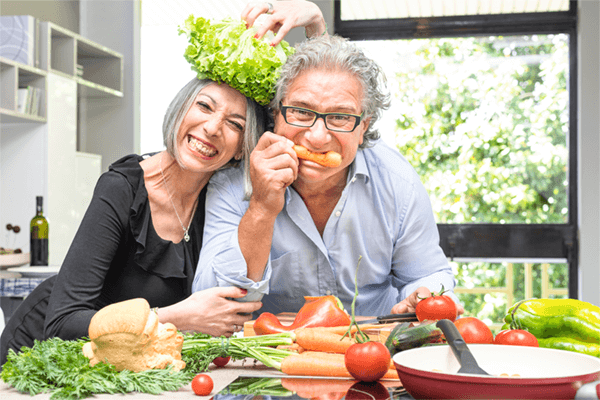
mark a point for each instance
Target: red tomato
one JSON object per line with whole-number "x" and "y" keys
{"x": 202, "y": 384}
{"x": 516, "y": 337}
{"x": 436, "y": 307}
{"x": 367, "y": 362}
{"x": 474, "y": 330}
{"x": 221, "y": 361}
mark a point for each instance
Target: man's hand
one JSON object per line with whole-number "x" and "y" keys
{"x": 273, "y": 167}
{"x": 409, "y": 304}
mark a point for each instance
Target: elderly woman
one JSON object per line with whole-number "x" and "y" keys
{"x": 308, "y": 221}
{"x": 142, "y": 233}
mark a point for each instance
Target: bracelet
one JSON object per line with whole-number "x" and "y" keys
{"x": 321, "y": 35}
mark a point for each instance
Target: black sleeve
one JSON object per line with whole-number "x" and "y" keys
{"x": 81, "y": 277}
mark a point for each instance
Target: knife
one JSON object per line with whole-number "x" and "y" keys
{"x": 385, "y": 319}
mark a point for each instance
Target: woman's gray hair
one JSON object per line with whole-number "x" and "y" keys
{"x": 335, "y": 53}
{"x": 256, "y": 122}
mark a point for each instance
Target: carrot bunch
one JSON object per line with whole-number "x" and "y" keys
{"x": 334, "y": 352}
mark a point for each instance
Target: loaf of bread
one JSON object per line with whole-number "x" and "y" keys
{"x": 128, "y": 335}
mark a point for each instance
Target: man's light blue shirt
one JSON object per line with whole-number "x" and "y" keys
{"x": 384, "y": 216}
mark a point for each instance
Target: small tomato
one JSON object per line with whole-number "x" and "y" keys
{"x": 516, "y": 337}
{"x": 436, "y": 307}
{"x": 367, "y": 362}
{"x": 474, "y": 330}
{"x": 221, "y": 361}
{"x": 202, "y": 384}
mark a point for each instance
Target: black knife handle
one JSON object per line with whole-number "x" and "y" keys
{"x": 398, "y": 317}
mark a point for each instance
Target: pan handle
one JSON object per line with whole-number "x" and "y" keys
{"x": 590, "y": 390}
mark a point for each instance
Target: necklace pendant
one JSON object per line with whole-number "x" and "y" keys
{"x": 186, "y": 237}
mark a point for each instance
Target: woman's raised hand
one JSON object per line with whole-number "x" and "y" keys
{"x": 283, "y": 16}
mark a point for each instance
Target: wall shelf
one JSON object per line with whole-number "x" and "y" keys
{"x": 39, "y": 154}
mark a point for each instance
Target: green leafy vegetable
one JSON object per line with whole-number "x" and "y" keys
{"x": 59, "y": 366}
{"x": 200, "y": 349}
{"x": 225, "y": 51}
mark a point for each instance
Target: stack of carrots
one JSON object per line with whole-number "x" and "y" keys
{"x": 321, "y": 353}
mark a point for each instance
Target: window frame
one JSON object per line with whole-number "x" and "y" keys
{"x": 557, "y": 242}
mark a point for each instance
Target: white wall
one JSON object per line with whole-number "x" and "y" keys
{"x": 589, "y": 151}
{"x": 113, "y": 125}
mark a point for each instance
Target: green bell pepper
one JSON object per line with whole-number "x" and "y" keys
{"x": 556, "y": 318}
{"x": 570, "y": 344}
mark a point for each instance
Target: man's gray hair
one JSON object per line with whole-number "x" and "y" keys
{"x": 335, "y": 53}
{"x": 256, "y": 120}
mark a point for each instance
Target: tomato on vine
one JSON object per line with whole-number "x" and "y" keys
{"x": 437, "y": 306}
{"x": 366, "y": 361}
{"x": 516, "y": 337}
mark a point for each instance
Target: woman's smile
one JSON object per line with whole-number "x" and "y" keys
{"x": 199, "y": 146}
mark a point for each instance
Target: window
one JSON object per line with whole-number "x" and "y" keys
{"x": 484, "y": 108}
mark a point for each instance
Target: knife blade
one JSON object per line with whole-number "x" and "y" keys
{"x": 385, "y": 319}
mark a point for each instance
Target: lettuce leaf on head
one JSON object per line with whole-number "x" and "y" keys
{"x": 226, "y": 52}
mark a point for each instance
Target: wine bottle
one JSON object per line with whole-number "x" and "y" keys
{"x": 39, "y": 235}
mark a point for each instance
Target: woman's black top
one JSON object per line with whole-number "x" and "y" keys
{"x": 116, "y": 255}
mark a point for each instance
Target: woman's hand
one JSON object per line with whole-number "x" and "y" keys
{"x": 285, "y": 16}
{"x": 211, "y": 311}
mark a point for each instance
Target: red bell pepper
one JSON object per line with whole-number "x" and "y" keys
{"x": 317, "y": 311}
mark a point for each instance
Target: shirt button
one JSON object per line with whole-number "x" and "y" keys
{"x": 353, "y": 179}
{"x": 328, "y": 293}
{"x": 337, "y": 213}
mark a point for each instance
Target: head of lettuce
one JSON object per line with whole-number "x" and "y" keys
{"x": 226, "y": 52}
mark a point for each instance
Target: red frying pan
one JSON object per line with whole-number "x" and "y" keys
{"x": 431, "y": 373}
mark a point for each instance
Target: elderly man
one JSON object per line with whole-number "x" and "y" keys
{"x": 302, "y": 228}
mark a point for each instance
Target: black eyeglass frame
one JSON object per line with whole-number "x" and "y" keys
{"x": 320, "y": 115}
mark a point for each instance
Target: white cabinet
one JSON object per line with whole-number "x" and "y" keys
{"x": 39, "y": 153}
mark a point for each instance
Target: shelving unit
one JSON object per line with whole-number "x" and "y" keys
{"x": 14, "y": 75}
{"x": 102, "y": 67}
{"x": 39, "y": 154}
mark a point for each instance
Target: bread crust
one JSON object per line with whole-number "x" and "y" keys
{"x": 129, "y": 336}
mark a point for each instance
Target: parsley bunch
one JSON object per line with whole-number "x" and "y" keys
{"x": 59, "y": 366}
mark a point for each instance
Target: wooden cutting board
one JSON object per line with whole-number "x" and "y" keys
{"x": 378, "y": 334}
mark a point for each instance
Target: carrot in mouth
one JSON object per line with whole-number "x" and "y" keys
{"x": 330, "y": 159}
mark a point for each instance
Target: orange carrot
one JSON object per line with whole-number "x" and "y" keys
{"x": 292, "y": 347}
{"x": 317, "y": 363}
{"x": 318, "y": 339}
{"x": 330, "y": 159}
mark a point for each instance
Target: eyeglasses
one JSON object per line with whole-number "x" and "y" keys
{"x": 338, "y": 122}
